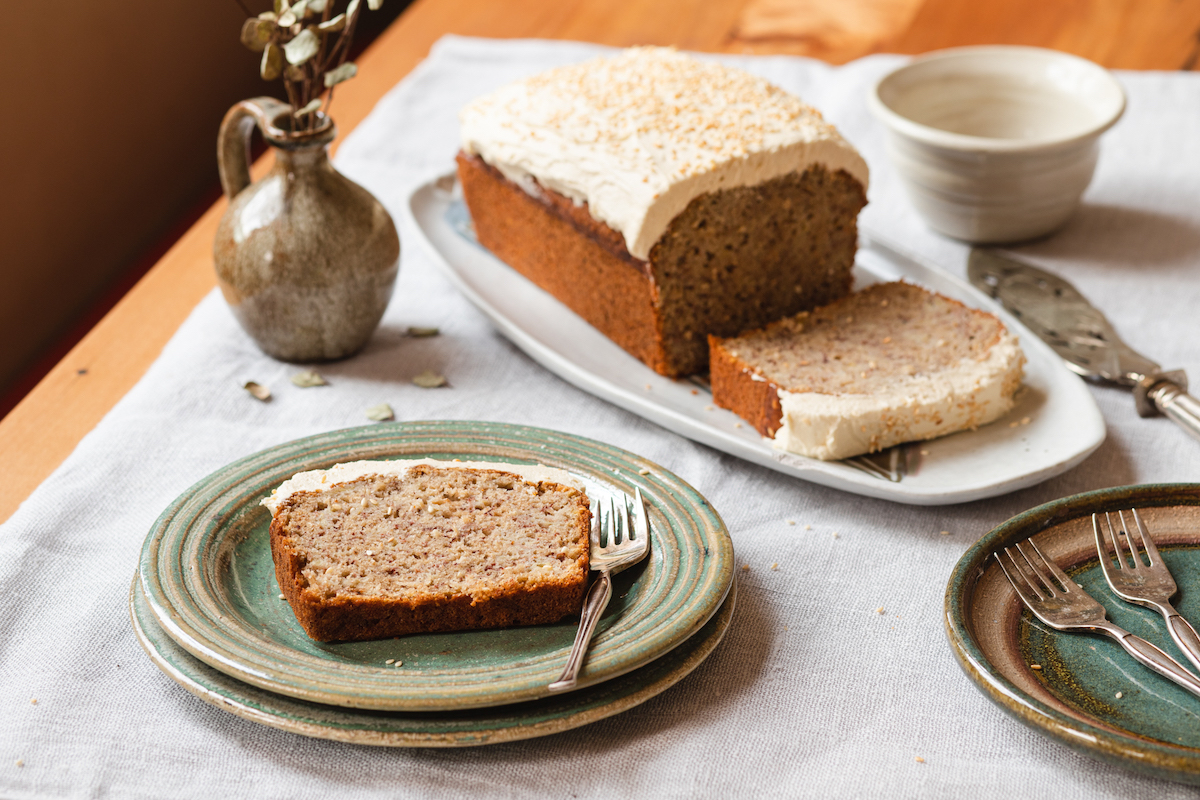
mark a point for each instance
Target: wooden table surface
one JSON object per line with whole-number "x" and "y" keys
{"x": 44, "y": 428}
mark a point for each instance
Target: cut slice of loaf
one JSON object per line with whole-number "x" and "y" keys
{"x": 889, "y": 364}
{"x": 383, "y": 549}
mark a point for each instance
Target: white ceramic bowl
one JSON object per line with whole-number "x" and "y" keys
{"x": 996, "y": 144}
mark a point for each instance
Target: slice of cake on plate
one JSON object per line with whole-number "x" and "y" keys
{"x": 663, "y": 198}
{"x": 889, "y": 364}
{"x": 374, "y": 549}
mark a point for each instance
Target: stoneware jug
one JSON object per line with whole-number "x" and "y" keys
{"x": 305, "y": 257}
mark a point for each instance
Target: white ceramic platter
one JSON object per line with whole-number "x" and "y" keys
{"x": 1064, "y": 425}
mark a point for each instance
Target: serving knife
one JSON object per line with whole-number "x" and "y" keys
{"x": 1055, "y": 310}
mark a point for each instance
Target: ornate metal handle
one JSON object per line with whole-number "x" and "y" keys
{"x": 597, "y": 600}
{"x": 1184, "y": 635}
{"x": 1174, "y": 401}
{"x": 1160, "y": 662}
{"x": 233, "y": 142}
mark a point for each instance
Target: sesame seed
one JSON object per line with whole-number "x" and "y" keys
{"x": 281, "y": 597}
{"x": 775, "y": 565}
{"x": 791, "y": 522}
{"x": 708, "y": 408}
{"x": 945, "y": 533}
{"x": 879, "y": 610}
{"x": 837, "y": 535}
{"x": 399, "y": 663}
{"x": 737, "y": 424}
{"x": 745, "y": 567}
{"x": 887, "y": 340}
{"x": 20, "y": 762}
{"x": 924, "y": 452}
{"x": 643, "y": 472}
{"x": 390, "y": 661}
{"x": 1037, "y": 667}
{"x": 808, "y": 527}
{"x": 1013, "y": 424}
{"x": 920, "y": 760}
{"x": 1024, "y": 420}
{"x": 33, "y": 701}
{"x": 1120, "y": 695}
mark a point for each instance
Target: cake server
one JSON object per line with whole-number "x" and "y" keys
{"x": 1056, "y": 311}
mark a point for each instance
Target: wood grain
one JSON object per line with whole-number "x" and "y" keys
{"x": 1142, "y": 34}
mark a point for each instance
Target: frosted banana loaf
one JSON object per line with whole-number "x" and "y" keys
{"x": 374, "y": 549}
{"x": 889, "y": 364}
{"x": 663, "y": 198}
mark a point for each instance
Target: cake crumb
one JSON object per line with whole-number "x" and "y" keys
{"x": 695, "y": 391}
{"x": 920, "y": 760}
{"x": 745, "y": 567}
{"x": 1120, "y": 695}
{"x": 648, "y": 387}
{"x": 1036, "y": 667}
{"x": 887, "y": 340}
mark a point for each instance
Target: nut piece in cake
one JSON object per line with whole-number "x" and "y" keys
{"x": 664, "y": 198}
{"x": 369, "y": 550}
{"x": 889, "y": 364}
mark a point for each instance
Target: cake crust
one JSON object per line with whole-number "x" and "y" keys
{"x": 379, "y": 599}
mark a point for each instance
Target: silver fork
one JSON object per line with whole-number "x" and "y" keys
{"x": 622, "y": 549}
{"x": 1065, "y": 606}
{"x": 1150, "y": 586}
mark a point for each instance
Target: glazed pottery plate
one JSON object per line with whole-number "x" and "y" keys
{"x": 1088, "y": 692}
{"x": 429, "y": 729}
{"x": 209, "y": 579}
{"x": 1053, "y": 427}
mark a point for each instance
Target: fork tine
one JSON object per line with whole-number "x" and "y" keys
{"x": 1067, "y": 584}
{"x": 1021, "y": 583}
{"x": 1134, "y": 553}
{"x": 1021, "y": 566}
{"x": 1101, "y": 548}
{"x": 1122, "y": 561}
{"x": 1036, "y": 562}
{"x": 1147, "y": 542}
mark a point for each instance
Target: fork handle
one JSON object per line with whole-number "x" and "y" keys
{"x": 597, "y": 600}
{"x": 1184, "y": 635}
{"x": 1154, "y": 658}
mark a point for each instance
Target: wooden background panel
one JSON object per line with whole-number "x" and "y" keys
{"x": 1119, "y": 34}
{"x": 1146, "y": 34}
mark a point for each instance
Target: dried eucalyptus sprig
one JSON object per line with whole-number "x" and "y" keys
{"x": 306, "y": 44}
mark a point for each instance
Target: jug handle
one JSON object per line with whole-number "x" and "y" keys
{"x": 233, "y": 141}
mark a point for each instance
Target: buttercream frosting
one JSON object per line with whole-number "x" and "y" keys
{"x": 639, "y": 135}
{"x": 319, "y": 479}
{"x": 834, "y": 426}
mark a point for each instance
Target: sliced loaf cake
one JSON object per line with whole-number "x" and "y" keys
{"x": 369, "y": 550}
{"x": 892, "y": 363}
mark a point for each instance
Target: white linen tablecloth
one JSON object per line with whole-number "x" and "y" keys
{"x": 812, "y": 693}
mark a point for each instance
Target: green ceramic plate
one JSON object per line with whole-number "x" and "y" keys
{"x": 1153, "y": 726}
{"x": 209, "y": 581}
{"x": 432, "y": 729}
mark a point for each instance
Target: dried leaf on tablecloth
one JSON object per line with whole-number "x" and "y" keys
{"x": 257, "y": 391}
{"x": 421, "y": 333}
{"x": 381, "y": 413}
{"x": 307, "y": 378}
{"x": 429, "y": 380}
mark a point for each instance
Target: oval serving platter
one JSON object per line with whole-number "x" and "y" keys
{"x": 1088, "y": 693}
{"x": 209, "y": 580}
{"x": 467, "y": 728}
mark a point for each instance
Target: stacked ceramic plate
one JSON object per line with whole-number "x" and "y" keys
{"x": 207, "y": 609}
